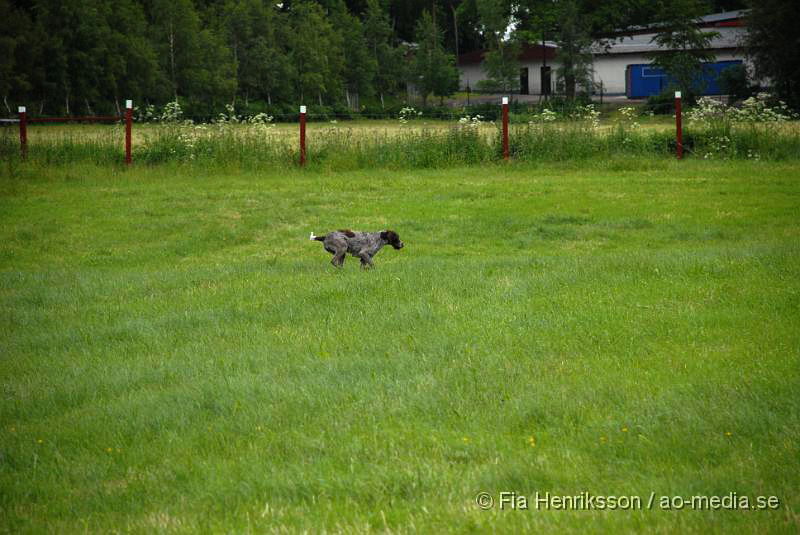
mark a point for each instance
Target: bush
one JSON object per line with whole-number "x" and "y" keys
{"x": 563, "y": 105}
{"x": 374, "y": 110}
{"x": 734, "y": 82}
{"x": 488, "y": 86}
{"x": 661, "y": 104}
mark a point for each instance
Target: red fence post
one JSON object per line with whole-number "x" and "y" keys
{"x": 302, "y": 135}
{"x": 128, "y": 128}
{"x": 505, "y": 128}
{"x": 23, "y": 133}
{"x": 678, "y": 124}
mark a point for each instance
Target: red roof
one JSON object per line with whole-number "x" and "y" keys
{"x": 528, "y": 53}
{"x": 725, "y": 24}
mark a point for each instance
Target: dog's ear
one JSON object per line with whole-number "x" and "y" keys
{"x": 385, "y": 235}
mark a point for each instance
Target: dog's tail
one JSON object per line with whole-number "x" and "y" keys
{"x": 318, "y": 238}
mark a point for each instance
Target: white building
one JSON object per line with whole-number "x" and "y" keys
{"x": 620, "y": 65}
{"x": 536, "y": 65}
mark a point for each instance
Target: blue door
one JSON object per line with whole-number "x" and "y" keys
{"x": 711, "y": 72}
{"x": 644, "y": 80}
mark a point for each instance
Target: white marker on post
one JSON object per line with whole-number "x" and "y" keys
{"x": 302, "y": 136}
{"x": 129, "y": 104}
{"x": 505, "y": 128}
{"x": 678, "y": 125}
{"x": 21, "y": 109}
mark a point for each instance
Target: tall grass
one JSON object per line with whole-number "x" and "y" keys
{"x": 103, "y": 148}
{"x": 560, "y": 143}
{"x": 261, "y": 146}
{"x": 754, "y": 141}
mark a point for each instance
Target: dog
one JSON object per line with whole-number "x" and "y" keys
{"x": 363, "y": 245}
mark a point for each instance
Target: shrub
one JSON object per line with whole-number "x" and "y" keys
{"x": 488, "y": 86}
{"x": 564, "y": 105}
{"x": 661, "y": 104}
{"x": 734, "y": 82}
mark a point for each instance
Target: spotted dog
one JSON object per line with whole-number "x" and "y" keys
{"x": 363, "y": 245}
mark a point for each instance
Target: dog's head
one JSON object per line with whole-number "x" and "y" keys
{"x": 392, "y": 239}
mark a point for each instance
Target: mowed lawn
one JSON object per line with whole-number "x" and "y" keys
{"x": 176, "y": 356}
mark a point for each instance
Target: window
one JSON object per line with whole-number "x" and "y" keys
{"x": 652, "y": 72}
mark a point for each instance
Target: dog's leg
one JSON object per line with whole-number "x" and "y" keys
{"x": 366, "y": 260}
{"x": 338, "y": 258}
{"x": 337, "y": 246}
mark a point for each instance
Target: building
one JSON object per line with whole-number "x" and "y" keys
{"x": 536, "y": 67}
{"x": 621, "y": 63}
{"x": 623, "y": 66}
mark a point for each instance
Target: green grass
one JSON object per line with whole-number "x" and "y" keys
{"x": 420, "y": 144}
{"x": 176, "y": 356}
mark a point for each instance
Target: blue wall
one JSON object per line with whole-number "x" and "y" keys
{"x": 646, "y": 80}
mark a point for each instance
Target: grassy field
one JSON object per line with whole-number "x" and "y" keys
{"x": 177, "y": 357}
{"x": 362, "y": 127}
{"x": 420, "y": 144}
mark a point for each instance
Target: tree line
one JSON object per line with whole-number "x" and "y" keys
{"x": 88, "y": 56}
{"x": 85, "y": 56}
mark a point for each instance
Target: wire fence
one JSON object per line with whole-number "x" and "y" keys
{"x": 505, "y": 132}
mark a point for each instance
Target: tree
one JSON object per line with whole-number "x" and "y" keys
{"x": 466, "y": 33}
{"x": 173, "y": 31}
{"x": 571, "y": 24}
{"x": 128, "y": 62}
{"x": 685, "y": 47}
{"x": 379, "y": 38}
{"x": 93, "y": 54}
{"x": 501, "y": 59}
{"x": 434, "y": 70}
{"x": 72, "y": 40}
{"x": 246, "y": 25}
{"x": 272, "y": 75}
{"x": 573, "y": 53}
{"x": 360, "y": 65}
{"x": 575, "y": 25}
{"x": 194, "y": 63}
{"x": 252, "y": 31}
{"x": 316, "y": 52}
{"x": 405, "y": 15}
{"x": 773, "y": 41}
{"x": 735, "y": 82}
{"x": 76, "y": 55}
{"x": 14, "y": 79}
{"x": 211, "y": 80}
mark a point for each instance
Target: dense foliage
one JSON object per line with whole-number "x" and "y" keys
{"x": 684, "y": 47}
{"x": 774, "y": 43}
{"x": 88, "y": 56}
{"x": 83, "y": 56}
